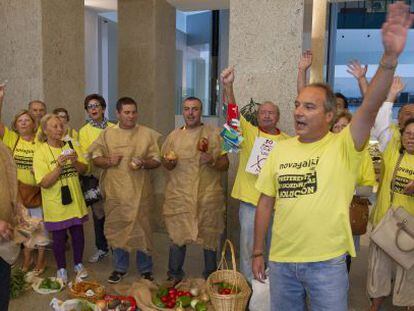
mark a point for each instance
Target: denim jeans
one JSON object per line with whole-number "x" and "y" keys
{"x": 176, "y": 262}
{"x": 325, "y": 283}
{"x": 100, "y": 239}
{"x": 5, "y": 271}
{"x": 121, "y": 261}
{"x": 247, "y": 213}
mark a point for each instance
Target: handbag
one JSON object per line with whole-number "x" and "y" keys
{"x": 31, "y": 196}
{"x": 358, "y": 215}
{"x": 395, "y": 232}
{"x": 90, "y": 189}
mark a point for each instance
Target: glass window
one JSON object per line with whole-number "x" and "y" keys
{"x": 196, "y": 58}
{"x": 355, "y": 33}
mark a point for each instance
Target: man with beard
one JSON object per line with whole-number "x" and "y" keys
{"x": 194, "y": 199}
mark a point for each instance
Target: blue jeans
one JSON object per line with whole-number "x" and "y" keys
{"x": 121, "y": 261}
{"x": 100, "y": 239}
{"x": 176, "y": 262}
{"x": 247, "y": 213}
{"x": 325, "y": 283}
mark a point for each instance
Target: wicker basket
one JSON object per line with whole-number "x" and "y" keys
{"x": 78, "y": 290}
{"x": 232, "y": 302}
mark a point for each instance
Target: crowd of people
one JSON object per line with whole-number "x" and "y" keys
{"x": 294, "y": 210}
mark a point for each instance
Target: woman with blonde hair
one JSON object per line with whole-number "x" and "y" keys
{"x": 57, "y": 165}
{"x": 70, "y": 133}
{"x": 21, "y": 140}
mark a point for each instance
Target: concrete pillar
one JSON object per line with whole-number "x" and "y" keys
{"x": 146, "y": 32}
{"x": 265, "y": 44}
{"x": 147, "y": 59}
{"x": 42, "y": 55}
{"x": 319, "y": 33}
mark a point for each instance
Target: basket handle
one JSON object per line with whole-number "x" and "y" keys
{"x": 223, "y": 261}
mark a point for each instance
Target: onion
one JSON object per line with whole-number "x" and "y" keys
{"x": 101, "y": 304}
{"x": 194, "y": 291}
{"x": 205, "y": 297}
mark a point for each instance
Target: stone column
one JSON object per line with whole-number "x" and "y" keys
{"x": 42, "y": 55}
{"x": 265, "y": 45}
{"x": 147, "y": 59}
{"x": 146, "y": 32}
{"x": 319, "y": 33}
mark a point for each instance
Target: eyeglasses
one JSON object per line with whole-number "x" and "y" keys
{"x": 93, "y": 106}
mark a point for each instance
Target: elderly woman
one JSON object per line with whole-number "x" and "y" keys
{"x": 57, "y": 165}
{"x": 396, "y": 189}
{"x": 20, "y": 139}
{"x": 70, "y": 133}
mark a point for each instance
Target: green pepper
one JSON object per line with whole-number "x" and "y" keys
{"x": 184, "y": 300}
{"x": 162, "y": 291}
{"x": 158, "y": 302}
{"x": 201, "y": 306}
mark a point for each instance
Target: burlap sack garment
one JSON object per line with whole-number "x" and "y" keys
{"x": 128, "y": 196}
{"x": 194, "y": 201}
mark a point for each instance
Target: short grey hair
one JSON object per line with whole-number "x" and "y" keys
{"x": 330, "y": 98}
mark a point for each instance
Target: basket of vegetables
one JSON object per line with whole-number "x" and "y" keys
{"x": 48, "y": 285}
{"x": 227, "y": 288}
{"x": 180, "y": 298}
{"x": 90, "y": 291}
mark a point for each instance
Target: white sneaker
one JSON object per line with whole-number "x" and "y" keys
{"x": 98, "y": 256}
{"x": 63, "y": 275}
{"x": 81, "y": 271}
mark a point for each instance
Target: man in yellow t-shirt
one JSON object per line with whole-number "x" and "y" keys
{"x": 309, "y": 181}
{"x": 95, "y": 106}
{"x": 244, "y": 189}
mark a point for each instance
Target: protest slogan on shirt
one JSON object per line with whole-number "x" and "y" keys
{"x": 259, "y": 154}
{"x": 303, "y": 183}
{"x": 401, "y": 182}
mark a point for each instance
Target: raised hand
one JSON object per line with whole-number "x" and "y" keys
{"x": 355, "y": 69}
{"x": 227, "y": 76}
{"x": 396, "y": 87}
{"x": 395, "y": 29}
{"x": 305, "y": 60}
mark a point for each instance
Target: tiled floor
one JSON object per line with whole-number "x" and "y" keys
{"x": 193, "y": 266}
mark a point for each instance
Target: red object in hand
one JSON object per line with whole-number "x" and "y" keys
{"x": 232, "y": 113}
{"x": 203, "y": 144}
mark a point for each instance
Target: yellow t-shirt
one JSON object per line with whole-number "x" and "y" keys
{"x": 313, "y": 185}
{"x": 44, "y": 161}
{"x": 23, "y": 152}
{"x": 404, "y": 175}
{"x": 244, "y": 189}
{"x": 366, "y": 174}
{"x": 88, "y": 134}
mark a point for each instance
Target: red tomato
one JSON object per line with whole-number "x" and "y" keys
{"x": 188, "y": 294}
{"x": 170, "y": 305}
{"x": 165, "y": 299}
{"x": 172, "y": 290}
{"x": 180, "y": 293}
{"x": 227, "y": 291}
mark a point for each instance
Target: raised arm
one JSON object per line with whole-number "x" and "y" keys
{"x": 304, "y": 64}
{"x": 359, "y": 72}
{"x": 394, "y": 37}
{"x": 227, "y": 78}
{"x": 382, "y": 127}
